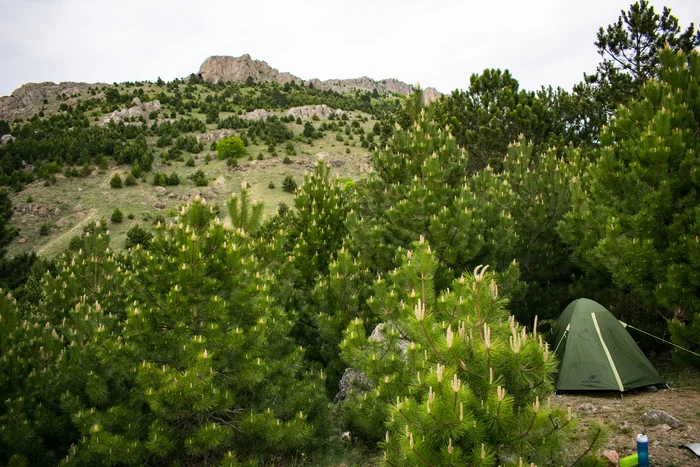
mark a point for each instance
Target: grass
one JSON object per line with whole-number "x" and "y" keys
{"x": 83, "y": 200}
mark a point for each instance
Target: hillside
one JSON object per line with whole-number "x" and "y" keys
{"x": 162, "y": 126}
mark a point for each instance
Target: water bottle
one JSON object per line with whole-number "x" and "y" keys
{"x": 643, "y": 450}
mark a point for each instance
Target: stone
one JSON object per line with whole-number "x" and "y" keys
{"x": 139, "y": 109}
{"x": 658, "y": 417}
{"x": 624, "y": 427}
{"x": 160, "y": 190}
{"x": 308, "y": 111}
{"x": 56, "y": 211}
{"x": 586, "y": 407}
{"x": 612, "y": 457}
{"x": 214, "y": 135}
{"x": 352, "y": 380}
{"x": 62, "y": 223}
{"x": 208, "y": 194}
{"x": 238, "y": 69}
{"x": 257, "y": 114}
{"x": 78, "y": 208}
{"x": 379, "y": 335}
{"x": 159, "y": 205}
{"x": 21, "y": 240}
{"x": 665, "y": 427}
{"x": 6, "y": 139}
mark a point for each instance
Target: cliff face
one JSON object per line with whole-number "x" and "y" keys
{"x": 238, "y": 69}
{"x": 29, "y": 98}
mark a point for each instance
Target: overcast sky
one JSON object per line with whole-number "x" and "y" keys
{"x": 438, "y": 43}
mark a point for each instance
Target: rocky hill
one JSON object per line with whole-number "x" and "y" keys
{"x": 31, "y": 98}
{"x": 226, "y": 68}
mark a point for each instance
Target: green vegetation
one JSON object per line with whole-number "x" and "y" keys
{"x": 216, "y": 331}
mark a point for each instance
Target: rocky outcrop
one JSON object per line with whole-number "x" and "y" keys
{"x": 238, "y": 69}
{"x": 139, "y": 109}
{"x": 257, "y": 114}
{"x": 215, "y": 135}
{"x": 6, "y": 139}
{"x": 29, "y": 98}
{"x": 308, "y": 111}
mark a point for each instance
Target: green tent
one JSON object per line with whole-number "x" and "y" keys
{"x": 596, "y": 353}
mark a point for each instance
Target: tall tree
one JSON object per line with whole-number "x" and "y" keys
{"x": 630, "y": 56}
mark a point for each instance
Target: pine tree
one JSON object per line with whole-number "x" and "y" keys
{"x": 635, "y": 219}
{"x": 420, "y": 185}
{"x": 455, "y": 380}
{"x": 215, "y": 376}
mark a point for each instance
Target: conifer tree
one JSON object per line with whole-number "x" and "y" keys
{"x": 420, "y": 186}
{"x": 454, "y": 379}
{"x": 215, "y": 376}
{"x": 635, "y": 220}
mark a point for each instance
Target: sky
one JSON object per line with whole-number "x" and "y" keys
{"x": 438, "y": 43}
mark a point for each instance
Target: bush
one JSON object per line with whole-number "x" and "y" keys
{"x": 130, "y": 216}
{"x": 286, "y": 160}
{"x": 190, "y": 162}
{"x": 232, "y": 146}
{"x": 137, "y": 235}
{"x": 153, "y": 115}
{"x": 116, "y": 181}
{"x": 117, "y": 216}
{"x": 261, "y": 157}
{"x": 199, "y": 178}
{"x": 130, "y": 180}
{"x": 44, "y": 229}
{"x": 271, "y": 185}
{"x": 172, "y": 180}
{"x": 289, "y": 185}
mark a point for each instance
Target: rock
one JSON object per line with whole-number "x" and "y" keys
{"x": 62, "y": 223}
{"x": 308, "y": 111}
{"x": 214, "y": 135}
{"x": 56, "y": 211}
{"x": 238, "y": 69}
{"x": 658, "y": 417}
{"x": 257, "y": 114}
{"x": 139, "y": 109}
{"x": 586, "y": 407}
{"x": 337, "y": 163}
{"x": 160, "y": 190}
{"x": 379, "y": 335}
{"x": 665, "y": 427}
{"x": 78, "y": 208}
{"x": 172, "y": 196}
{"x": 624, "y": 427}
{"x": 21, "y": 240}
{"x": 352, "y": 380}
{"x": 42, "y": 211}
{"x": 80, "y": 215}
{"x": 159, "y": 205}
{"x": 208, "y": 194}
{"x": 29, "y": 99}
{"x": 611, "y": 456}
{"x": 6, "y": 139}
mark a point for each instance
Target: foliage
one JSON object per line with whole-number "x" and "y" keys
{"x": 244, "y": 214}
{"x": 452, "y": 379}
{"x": 289, "y": 185}
{"x": 636, "y": 221}
{"x": 116, "y": 181}
{"x": 199, "y": 178}
{"x": 231, "y": 147}
{"x": 117, "y": 216}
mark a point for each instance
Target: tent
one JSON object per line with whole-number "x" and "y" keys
{"x": 596, "y": 353}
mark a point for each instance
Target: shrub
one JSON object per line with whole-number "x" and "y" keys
{"x": 199, "y": 178}
{"x": 271, "y": 185}
{"x": 137, "y": 235}
{"x": 44, "y": 229}
{"x": 130, "y": 180}
{"x": 190, "y": 162}
{"x": 173, "y": 179}
{"x": 116, "y": 181}
{"x": 289, "y": 185}
{"x": 117, "y": 216}
{"x": 261, "y": 157}
{"x": 232, "y": 146}
{"x": 286, "y": 160}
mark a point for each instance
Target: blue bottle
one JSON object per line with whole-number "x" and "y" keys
{"x": 643, "y": 450}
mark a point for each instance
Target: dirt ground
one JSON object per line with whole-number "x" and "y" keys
{"x": 681, "y": 400}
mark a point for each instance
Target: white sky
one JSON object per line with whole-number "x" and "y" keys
{"x": 440, "y": 43}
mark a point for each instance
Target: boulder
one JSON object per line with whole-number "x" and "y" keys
{"x": 208, "y": 194}
{"x": 586, "y": 407}
{"x": 21, "y": 240}
{"x": 257, "y": 114}
{"x": 379, "y": 335}
{"x": 658, "y": 417}
{"x": 308, "y": 111}
{"x": 160, "y": 190}
{"x": 352, "y": 380}
{"x": 139, "y": 109}
{"x": 612, "y": 457}
{"x": 159, "y": 205}
{"x": 6, "y": 139}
